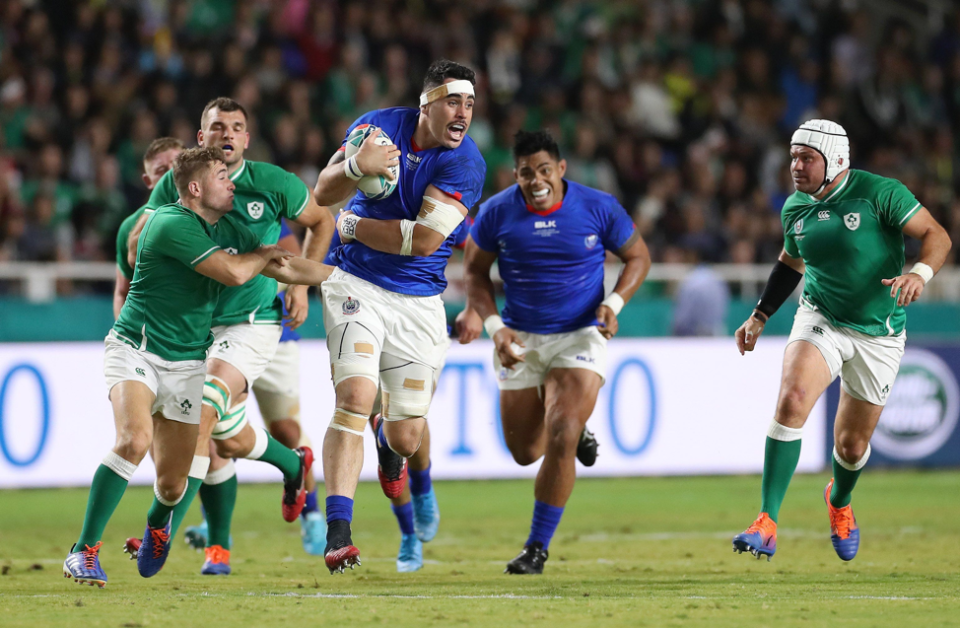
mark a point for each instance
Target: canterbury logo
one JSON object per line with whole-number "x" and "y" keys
{"x": 824, "y": 215}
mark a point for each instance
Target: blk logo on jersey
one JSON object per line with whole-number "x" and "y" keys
{"x": 545, "y": 224}
{"x": 852, "y": 221}
{"x": 351, "y": 306}
{"x": 824, "y": 215}
{"x": 255, "y": 209}
{"x": 591, "y": 241}
{"x": 412, "y": 161}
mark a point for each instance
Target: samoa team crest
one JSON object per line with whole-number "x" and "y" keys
{"x": 591, "y": 240}
{"x": 852, "y": 221}
{"x": 255, "y": 209}
{"x": 351, "y": 306}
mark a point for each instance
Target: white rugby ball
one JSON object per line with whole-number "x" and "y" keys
{"x": 374, "y": 187}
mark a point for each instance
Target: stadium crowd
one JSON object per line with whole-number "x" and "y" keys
{"x": 682, "y": 110}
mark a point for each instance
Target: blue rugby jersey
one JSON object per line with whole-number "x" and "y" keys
{"x": 551, "y": 262}
{"x": 459, "y": 172}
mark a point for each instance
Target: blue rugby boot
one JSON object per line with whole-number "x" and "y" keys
{"x": 410, "y": 557}
{"x": 313, "y": 533}
{"x": 217, "y": 562}
{"x": 426, "y": 516}
{"x": 154, "y": 549}
{"x": 844, "y": 532}
{"x": 84, "y": 566}
{"x": 760, "y": 539}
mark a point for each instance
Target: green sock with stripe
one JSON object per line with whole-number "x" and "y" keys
{"x": 218, "y": 493}
{"x": 845, "y": 476}
{"x": 781, "y": 455}
{"x": 106, "y": 491}
{"x": 268, "y": 449}
{"x": 198, "y": 471}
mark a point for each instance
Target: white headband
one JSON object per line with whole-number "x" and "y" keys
{"x": 442, "y": 91}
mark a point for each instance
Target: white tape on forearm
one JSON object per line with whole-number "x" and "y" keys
{"x": 923, "y": 270}
{"x": 406, "y": 231}
{"x": 348, "y": 227}
{"x": 439, "y": 216}
{"x": 351, "y": 169}
{"x": 492, "y": 324}
{"x": 442, "y": 91}
{"x": 614, "y": 302}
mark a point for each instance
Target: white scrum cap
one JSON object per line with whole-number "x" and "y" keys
{"x": 830, "y": 140}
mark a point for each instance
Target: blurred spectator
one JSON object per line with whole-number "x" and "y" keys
{"x": 700, "y": 305}
{"x": 681, "y": 109}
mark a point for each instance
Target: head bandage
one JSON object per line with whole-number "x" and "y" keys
{"x": 442, "y": 91}
{"x": 831, "y": 141}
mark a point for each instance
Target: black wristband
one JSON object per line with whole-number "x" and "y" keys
{"x": 781, "y": 284}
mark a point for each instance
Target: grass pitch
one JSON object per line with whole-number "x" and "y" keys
{"x": 629, "y": 552}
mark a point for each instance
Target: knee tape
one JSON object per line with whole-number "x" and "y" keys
{"x": 354, "y": 352}
{"x": 216, "y": 394}
{"x": 407, "y": 389}
{"x": 277, "y": 407}
{"x": 350, "y": 422}
{"x": 232, "y": 423}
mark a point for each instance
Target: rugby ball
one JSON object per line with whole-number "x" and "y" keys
{"x": 374, "y": 187}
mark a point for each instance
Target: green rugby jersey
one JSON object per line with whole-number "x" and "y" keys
{"x": 850, "y": 241}
{"x": 169, "y": 309}
{"x": 265, "y": 194}
{"x": 125, "y": 228}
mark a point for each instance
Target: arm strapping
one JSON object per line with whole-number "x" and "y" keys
{"x": 781, "y": 284}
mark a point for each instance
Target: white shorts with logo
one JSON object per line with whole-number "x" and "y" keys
{"x": 585, "y": 348}
{"x": 867, "y": 365}
{"x": 396, "y": 341}
{"x": 248, "y": 347}
{"x": 278, "y": 389}
{"x": 178, "y": 386}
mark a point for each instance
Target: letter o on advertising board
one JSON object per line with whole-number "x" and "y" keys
{"x": 638, "y": 364}
{"x": 922, "y": 411}
{"x": 44, "y": 409}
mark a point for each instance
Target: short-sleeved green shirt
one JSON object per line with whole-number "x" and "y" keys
{"x": 122, "y": 235}
{"x": 264, "y": 195}
{"x": 850, "y": 241}
{"x": 169, "y": 309}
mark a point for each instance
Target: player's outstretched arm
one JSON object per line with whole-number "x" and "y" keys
{"x": 477, "y": 264}
{"x": 320, "y": 226}
{"x": 298, "y": 271}
{"x": 236, "y": 270}
{"x": 934, "y": 246}
{"x": 784, "y": 279}
{"x": 340, "y": 178}
{"x": 439, "y": 216}
{"x": 636, "y": 265}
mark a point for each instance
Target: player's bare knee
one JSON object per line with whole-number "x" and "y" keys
{"x": 287, "y": 431}
{"x": 563, "y": 434}
{"x": 793, "y": 406}
{"x": 851, "y": 447}
{"x": 133, "y": 444}
{"x": 229, "y": 448}
{"x": 171, "y": 485}
{"x": 524, "y": 455}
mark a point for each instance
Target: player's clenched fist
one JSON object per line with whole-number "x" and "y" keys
{"x": 748, "y": 334}
{"x": 504, "y": 340}
{"x": 375, "y": 159}
{"x": 607, "y": 322}
{"x": 910, "y": 287}
{"x": 468, "y": 326}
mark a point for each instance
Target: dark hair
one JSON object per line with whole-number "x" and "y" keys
{"x": 161, "y": 145}
{"x": 222, "y": 104}
{"x": 192, "y": 164}
{"x": 443, "y": 69}
{"x": 527, "y": 143}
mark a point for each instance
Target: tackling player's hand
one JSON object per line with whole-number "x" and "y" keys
{"x": 374, "y": 159}
{"x": 910, "y": 287}
{"x": 607, "y": 322}
{"x": 748, "y": 334}
{"x": 504, "y": 341}
{"x": 298, "y": 306}
{"x": 468, "y": 325}
{"x": 276, "y": 253}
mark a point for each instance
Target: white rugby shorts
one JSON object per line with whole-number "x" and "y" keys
{"x": 248, "y": 347}
{"x": 867, "y": 365}
{"x": 278, "y": 389}
{"x": 584, "y": 348}
{"x": 177, "y": 386}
